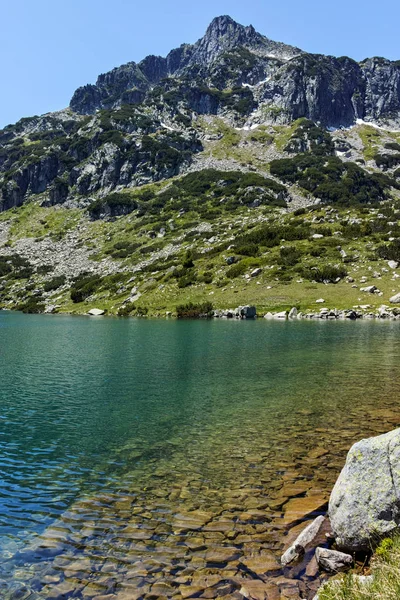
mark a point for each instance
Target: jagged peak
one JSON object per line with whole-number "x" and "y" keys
{"x": 220, "y": 26}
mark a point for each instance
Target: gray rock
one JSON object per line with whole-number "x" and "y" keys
{"x": 333, "y": 561}
{"x": 305, "y": 538}
{"x": 293, "y": 314}
{"x": 365, "y": 502}
{"x": 281, "y": 315}
{"x": 247, "y": 312}
{"x": 96, "y": 312}
{"x": 256, "y": 272}
{"x": 393, "y": 264}
{"x": 370, "y": 289}
{"x": 395, "y": 299}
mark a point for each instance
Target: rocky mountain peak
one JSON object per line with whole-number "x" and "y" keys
{"x": 223, "y": 34}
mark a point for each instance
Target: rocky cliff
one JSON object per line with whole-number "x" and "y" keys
{"x": 143, "y": 123}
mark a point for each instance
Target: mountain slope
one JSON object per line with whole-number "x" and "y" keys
{"x": 180, "y": 176}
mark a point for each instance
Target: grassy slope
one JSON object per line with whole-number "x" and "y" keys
{"x": 278, "y": 287}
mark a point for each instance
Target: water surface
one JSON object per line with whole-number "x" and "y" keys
{"x": 156, "y": 458}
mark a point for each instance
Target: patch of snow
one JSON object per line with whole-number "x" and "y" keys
{"x": 247, "y": 85}
{"x": 376, "y": 126}
{"x": 247, "y": 127}
{"x": 167, "y": 127}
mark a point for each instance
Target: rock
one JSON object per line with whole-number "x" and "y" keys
{"x": 320, "y": 301}
{"x": 256, "y": 272}
{"x": 395, "y": 299}
{"x": 370, "y": 289}
{"x": 268, "y": 316}
{"x": 304, "y": 539}
{"x": 96, "y": 312}
{"x": 230, "y": 260}
{"x": 261, "y": 564}
{"x": 280, "y": 315}
{"x": 365, "y": 502}
{"x": 222, "y": 555}
{"x": 393, "y": 264}
{"x": 247, "y": 312}
{"x": 317, "y": 236}
{"x": 293, "y": 313}
{"x": 333, "y": 561}
{"x": 298, "y": 508}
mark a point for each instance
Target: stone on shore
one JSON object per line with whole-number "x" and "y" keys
{"x": 305, "y": 538}
{"x": 293, "y": 313}
{"x": 395, "y": 299}
{"x": 96, "y": 312}
{"x": 332, "y": 560}
{"x": 364, "y": 504}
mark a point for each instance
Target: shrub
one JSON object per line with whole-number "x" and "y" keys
{"x": 236, "y": 270}
{"x": 32, "y": 306}
{"x": 332, "y": 180}
{"x": 324, "y": 274}
{"x": 54, "y": 283}
{"x": 390, "y": 251}
{"x": 84, "y": 287}
{"x": 289, "y": 256}
{"x": 194, "y": 311}
{"x": 126, "y": 310}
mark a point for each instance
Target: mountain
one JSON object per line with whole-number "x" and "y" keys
{"x": 165, "y": 167}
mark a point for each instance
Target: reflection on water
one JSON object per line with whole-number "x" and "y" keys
{"x": 157, "y": 459}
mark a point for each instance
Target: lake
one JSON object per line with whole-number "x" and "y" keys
{"x": 158, "y": 459}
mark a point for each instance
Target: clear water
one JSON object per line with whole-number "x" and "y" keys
{"x": 115, "y": 433}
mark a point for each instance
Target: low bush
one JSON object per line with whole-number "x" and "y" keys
{"x": 194, "y": 311}
{"x": 323, "y": 274}
{"x": 85, "y": 286}
{"x": 54, "y": 283}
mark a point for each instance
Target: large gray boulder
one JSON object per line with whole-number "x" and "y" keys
{"x": 365, "y": 502}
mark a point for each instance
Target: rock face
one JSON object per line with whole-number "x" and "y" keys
{"x": 289, "y": 83}
{"x": 365, "y": 502}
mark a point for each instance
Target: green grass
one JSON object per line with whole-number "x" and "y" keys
{"x": 386, "y": 578}
{"x": 35, "y": 221}
{"x": 371, "y": 139}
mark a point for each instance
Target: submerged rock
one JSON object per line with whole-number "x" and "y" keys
{"x": 303, "y": 540}
{"x": 365, "y": 502}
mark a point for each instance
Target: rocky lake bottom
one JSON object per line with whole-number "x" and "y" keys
{"x": 164, "y": 459}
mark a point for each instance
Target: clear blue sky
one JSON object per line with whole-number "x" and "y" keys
{"x": 48, "y": 48}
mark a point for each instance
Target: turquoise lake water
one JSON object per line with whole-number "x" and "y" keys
{"x": 114, "y": 431}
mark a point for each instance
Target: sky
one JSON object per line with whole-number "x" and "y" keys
{"x": 48, "y": 48}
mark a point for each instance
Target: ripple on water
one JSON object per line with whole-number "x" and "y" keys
{"x": 176, "y": 459}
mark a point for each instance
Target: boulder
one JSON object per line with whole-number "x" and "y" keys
{"x": 395, "y": 299}
{"x": 393, "y": 264}
{"x": 293, "y": 314}
{"x": 247, "y": 312}
{"x": 256, "y": 272}
{"x": 96, "y": 312}
{"x": 365, "y": 503}
{"x": 281, "y": 315}
{"x": 370, "y": 289}
{"x": 320, "y": 301}
{"x": 302, "y": 541}
{"x": 333, "y": 561}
